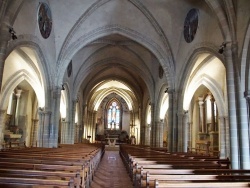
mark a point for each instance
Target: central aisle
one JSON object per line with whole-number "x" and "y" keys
{"x": 111, "y": 172}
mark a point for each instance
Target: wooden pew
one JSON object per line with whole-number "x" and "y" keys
{"x": 217, "y": 177}
{"x": 163, "y": 184}
{"x": 47, "y": 167}
{"x": 62, "y": 159}
{"x": 13, "y": 182}
{"x": 159, "y": 164}
{"x": 174, "y": 160}
{"x": 148, "y": 180}
{"x": 52, "y": 175}
{"x": 71, "y": 157}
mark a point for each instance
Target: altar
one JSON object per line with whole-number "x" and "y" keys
{"x": 111, "y": 144}
{"x": 111, "y": 141}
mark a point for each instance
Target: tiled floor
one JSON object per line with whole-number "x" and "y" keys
{"x": 111, "y": 172}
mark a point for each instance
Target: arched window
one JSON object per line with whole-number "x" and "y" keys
{"x": 114, "y": 116}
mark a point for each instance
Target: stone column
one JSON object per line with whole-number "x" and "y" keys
{"x": 80, "y": 133}
{"x": 76, "y": 133}
{"x": 189, "y": 141}
{"x": 43, "y": 132}
{"x": 185, "y": 127}
{"x": 34, "y": 132}
{"x": 202, "y": 133}
{"x": 147, "y": 134}
{"x": 90, "y": 119}
{"x": 171, "y": 128}
{"x": 161, "y": 124}
{"x": 139, "y": 128}
{"x": 18, "y": 95}
{"x": 231, "y": 77}
{"x": 2, "y": 126}
{"x": 143, "y": 128}
{"x": 84, "y": 121}
{"x": 159, "y": 134}
{"x": 54, "y": 127}
{"x": 244, "y": 130}
{"x": 63, "y": 131}
{"x": 227, "y": 135}
{"x": 72, "y": 122}
{"x": 80, "y": 124}
{"x": 212, "y": 113}
{"x": 94, "y": 126}
{"x": 201, "y": 115}
{"x": 153, "y": 126}
{"x": 180, "y": 128}
{"x": 222, "y": 131}
{"x": 67, "y": 134}
{"x": 132, "y": 124}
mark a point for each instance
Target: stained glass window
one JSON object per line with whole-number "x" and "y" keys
{"x": 113, "y": 116}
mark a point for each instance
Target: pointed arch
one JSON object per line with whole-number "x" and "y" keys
{"x": 12, "y": 83}
{"x": 211, "y": 84}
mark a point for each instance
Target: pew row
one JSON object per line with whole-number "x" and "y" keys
{"x": 75, "y": 164}
{"x": 13, "y": 182}
{"x": 162, "y": 184}
{"x": 153, "y": 169}
{"x": 148, "y": 180}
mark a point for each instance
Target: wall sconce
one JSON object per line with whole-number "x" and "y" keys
{"x": 13, "y": 33}
{"x": 222, "y": 47}
{"x": 166, "y": 90}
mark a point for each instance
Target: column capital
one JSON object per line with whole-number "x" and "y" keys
{"x": 201, "y": 99}
{"x": 210, "y": 96}
{"x": 18, "y": 93}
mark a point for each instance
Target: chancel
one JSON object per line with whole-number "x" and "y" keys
{"x": 124, "y": 87}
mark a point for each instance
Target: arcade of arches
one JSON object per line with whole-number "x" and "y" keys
{"x": 84, "y": 71}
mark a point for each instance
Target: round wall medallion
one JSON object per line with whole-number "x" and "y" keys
{"x": 44, "y": 20}
{"x": 191, "y": 25}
